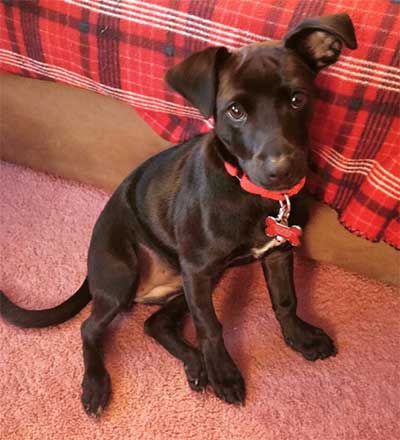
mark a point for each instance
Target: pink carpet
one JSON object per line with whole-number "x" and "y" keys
{"x": 45, "y": 228}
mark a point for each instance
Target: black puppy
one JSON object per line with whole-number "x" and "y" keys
{"x": 178, "y": 221}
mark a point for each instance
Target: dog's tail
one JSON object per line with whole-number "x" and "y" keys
{"x": 43, "y": 318}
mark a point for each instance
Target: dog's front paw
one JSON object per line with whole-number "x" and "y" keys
{"x": 223, "y": 375}
{"x": 312, "y": 342}
{"x": 196, "y": 372}
{"x": 96, "y": 390}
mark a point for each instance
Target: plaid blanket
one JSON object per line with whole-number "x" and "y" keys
{"x": 123, "y": 48}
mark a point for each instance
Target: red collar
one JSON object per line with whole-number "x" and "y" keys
{"x": 248, "y": 186}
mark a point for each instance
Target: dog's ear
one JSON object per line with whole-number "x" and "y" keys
{"x": 196, "y": 78}
{"x": 319, "y": 40}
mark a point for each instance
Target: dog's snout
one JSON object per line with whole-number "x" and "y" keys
{"x": 278, "y": 168}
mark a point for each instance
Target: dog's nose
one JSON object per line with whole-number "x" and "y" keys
{"x": 277, "y": 168}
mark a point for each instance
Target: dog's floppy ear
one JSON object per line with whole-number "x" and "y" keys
{"x": 319, "y": 40}
{"x": 196, "y": 78}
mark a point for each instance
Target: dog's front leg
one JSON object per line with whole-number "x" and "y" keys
{"x": 223, "y": 375}
{"x": 311, "y": 341}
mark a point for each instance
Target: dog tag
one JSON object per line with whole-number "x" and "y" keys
{"x": 278, "y": 227}
{"x": 282, "y": 232}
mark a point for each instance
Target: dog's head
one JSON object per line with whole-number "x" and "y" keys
{"x": 261, "y": 96}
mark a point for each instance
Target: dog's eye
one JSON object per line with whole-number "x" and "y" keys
{"x": 236, "y": 112}
{"x": 298, "y": 100}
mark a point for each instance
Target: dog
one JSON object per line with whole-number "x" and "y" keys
{"x": 225, "y": 198}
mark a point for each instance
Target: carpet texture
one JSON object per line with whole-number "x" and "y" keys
{"x": 45, "y": 229}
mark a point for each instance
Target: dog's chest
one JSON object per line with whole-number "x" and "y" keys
{"x": 260, "y": 243}
{"x": 259, "y": 251}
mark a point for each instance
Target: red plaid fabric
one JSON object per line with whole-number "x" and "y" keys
{"x": 123, "y": 48}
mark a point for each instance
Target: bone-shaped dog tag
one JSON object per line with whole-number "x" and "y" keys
{"x": 282, "y": 232}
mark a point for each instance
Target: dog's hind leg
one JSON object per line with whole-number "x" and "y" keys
{"x": 113, "y": 282}
{"x": 165, "y": 327}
